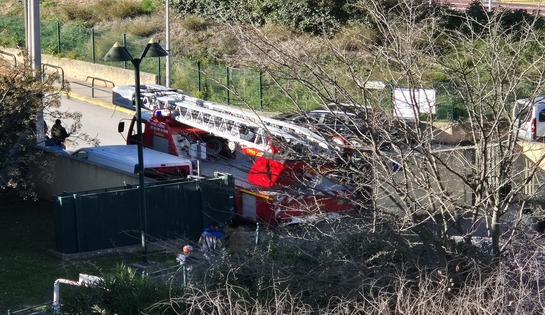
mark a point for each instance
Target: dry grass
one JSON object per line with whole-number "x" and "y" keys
{"x": 508, "y": 288}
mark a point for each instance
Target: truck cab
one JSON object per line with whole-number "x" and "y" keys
{"x": 529, "y": 118}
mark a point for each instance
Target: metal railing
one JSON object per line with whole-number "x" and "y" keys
{"x": 46, "y": 65}
{"x": 40, "y": 309}
{"x": 93, "y": 87}
{"x": 10, "y": 55}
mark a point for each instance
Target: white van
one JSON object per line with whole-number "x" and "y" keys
{"x": 157, "y": 164}
{"x": 529, "y": 118}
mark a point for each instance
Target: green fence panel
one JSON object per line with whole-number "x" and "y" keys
{"x": 65, "y": 224}
{"x": 174, "y": 211}
{"x": 213, "y": 81}
{"x": 106, "y": 220}
{"x": 244, "y": 87}
{"x": 111, "y": 218}
{"x": 218, "y": 202}
{"x": 185, "y": 75}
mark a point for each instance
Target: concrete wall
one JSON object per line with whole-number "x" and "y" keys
{"x": 458, "y": 159}
{"x": 64, "y": 173}
{"x": 450, "y": 132}
{"x": 81, "y": 70}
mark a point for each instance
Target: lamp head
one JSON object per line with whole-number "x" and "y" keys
{"x": 155, "y": 49}
{"x": 118, "y": 53}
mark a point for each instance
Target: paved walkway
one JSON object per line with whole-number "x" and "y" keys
{"x": 100, "y": 94}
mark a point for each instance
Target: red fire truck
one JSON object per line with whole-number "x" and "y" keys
{"x": 273, "y": 184}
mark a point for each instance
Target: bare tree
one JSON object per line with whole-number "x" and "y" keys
{"x": 418, "y": 184}
{"x": 22, "y": 97}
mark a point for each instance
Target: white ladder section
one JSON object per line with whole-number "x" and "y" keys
{"x": 244, "y": 128}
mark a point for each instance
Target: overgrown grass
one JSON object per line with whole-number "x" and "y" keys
{"x": 105, "y": 10}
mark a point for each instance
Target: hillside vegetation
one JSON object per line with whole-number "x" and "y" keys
{"x": 439, "y": 229}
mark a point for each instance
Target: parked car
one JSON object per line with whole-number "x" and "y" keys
{"x": 350, "y": 129}
{"x": 529, "y": 118}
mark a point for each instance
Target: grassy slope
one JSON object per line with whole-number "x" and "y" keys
{"x": 27, "y": 270}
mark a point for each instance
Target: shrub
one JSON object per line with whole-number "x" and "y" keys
{"x": 143, "y": 26}
{"x": 112, "y": 9}
{"x": 75, "y": 13}
{"x": 195, "y": 23}
{"x": 124, "y": 292}
{"x": 148, "y": 5}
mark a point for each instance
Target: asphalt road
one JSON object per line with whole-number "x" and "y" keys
{"x": 98, "y": 122}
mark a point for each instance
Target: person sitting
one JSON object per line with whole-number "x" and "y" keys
{"x": 58, "y": 133}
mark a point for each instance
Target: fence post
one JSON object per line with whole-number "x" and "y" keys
{"x": 260, "y": 89}
{"x": 58, "y": 37}
{"x": 124, "y": 45}
{"x": 452, "y": 110}
{"x": 199, "y": 75}
{"x": 159, "y": 70}
{"x": 227, "y": 83}
{"x": 93, "y": 45}
{"x": 257, "y": 234}
{"x": 184, "y": 274}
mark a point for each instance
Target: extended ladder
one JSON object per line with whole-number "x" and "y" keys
{"x": 244, "y": 128}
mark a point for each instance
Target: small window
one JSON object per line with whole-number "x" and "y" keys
{"x": 82, "y": 155}
{"x": 542, "y": 115}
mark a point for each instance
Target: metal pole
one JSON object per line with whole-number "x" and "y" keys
{"x": 159, "y": 71}
{"x": 227, "y": 84}
{"x": 141, "y": 188}
{"x": 199, "y": 75}
{"x": 125, "y": 45}
{"x": 167, "y": 31}
{"x": 260, "y": 90}
{"x": 34, "y": 56}
{"x": 36, "y": 50}
{"x": 93, "y": 45}
{"x": 184, "y": 274}
{"x": 58, "y": 37}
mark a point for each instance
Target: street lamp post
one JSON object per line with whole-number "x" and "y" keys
{"x": 120, "y": 53}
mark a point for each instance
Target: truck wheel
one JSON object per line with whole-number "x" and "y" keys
{"x": 214, "y": 147}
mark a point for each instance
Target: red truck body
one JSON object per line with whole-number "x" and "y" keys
{"x": 268, "y": 190}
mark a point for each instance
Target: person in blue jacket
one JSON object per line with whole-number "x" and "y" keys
{"x": 211, "y": 240}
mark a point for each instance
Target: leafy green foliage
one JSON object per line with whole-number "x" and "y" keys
{"x": 312, "y": 16}
{"x": 13, "y": 31}
{"x": 21, "y": 98}
{"x": 126, "y": 291}
{"x": 149, "y": 5}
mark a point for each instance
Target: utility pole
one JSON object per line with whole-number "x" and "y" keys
{"x": 34, "y": 56}
{"x": 167, "y": 34}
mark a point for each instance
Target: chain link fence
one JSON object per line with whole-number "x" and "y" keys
{"x": 241, "y": 87}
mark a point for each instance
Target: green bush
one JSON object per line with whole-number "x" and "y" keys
{"x": 313, "y": 16}
{"x": 195, "y": 23}
{"x": 143, "y": 27}
{"x": 113, "y": 9}
{"x": 148, "y": 6}
{"x": 12, "y": 31}
{"x": 77, "y": 13}
{"x": 124, "y": 292}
